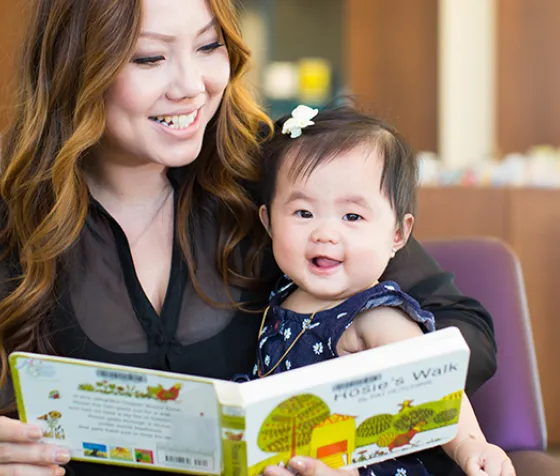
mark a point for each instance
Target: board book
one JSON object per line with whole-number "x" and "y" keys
{"x": 349, "y": 411}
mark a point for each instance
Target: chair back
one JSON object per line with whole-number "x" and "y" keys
{"x": 509, "y": 406}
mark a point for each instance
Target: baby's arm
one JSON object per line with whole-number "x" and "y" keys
{"x": 471, "y": 451}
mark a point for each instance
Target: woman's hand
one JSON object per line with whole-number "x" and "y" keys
{"x": 22, "y": 453}
{"x": 308, "y": 467}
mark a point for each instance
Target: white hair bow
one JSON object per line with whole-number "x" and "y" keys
{"x": 301, "y": 118}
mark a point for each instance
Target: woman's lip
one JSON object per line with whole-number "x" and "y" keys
{"x": 183, "y": 133}
{"x": 183, "y": 113}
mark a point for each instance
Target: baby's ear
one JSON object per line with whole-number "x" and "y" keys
{"x": 402, "y": 232}
{"x": 263, "y": 215}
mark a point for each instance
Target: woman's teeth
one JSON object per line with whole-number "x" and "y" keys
{"x": 181, "y": 121}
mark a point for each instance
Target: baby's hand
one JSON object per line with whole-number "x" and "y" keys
{"x": 480, "y": 458}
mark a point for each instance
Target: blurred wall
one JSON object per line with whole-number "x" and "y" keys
{"x": 308, "y": 28}
{"x": 391, "y": 63}
{"x": 12, "y": 21}
{"x": 528, "y": 71}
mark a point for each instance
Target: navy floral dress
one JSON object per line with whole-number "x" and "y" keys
{"x": 318, "y": 343}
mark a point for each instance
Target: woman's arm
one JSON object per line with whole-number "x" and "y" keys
{"x": 418, "y": 274}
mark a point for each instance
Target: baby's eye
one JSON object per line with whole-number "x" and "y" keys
{"x": 148, "y": 60}
{"x": 304, "y": 214}
{"x": 352, "y": 217}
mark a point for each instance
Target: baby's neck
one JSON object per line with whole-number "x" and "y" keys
{"x": 302, "y": 302}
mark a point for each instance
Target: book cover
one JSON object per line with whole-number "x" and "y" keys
{"x": 350, "y": 411}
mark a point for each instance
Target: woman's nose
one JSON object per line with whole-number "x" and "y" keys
{"x": 188, "y": 81}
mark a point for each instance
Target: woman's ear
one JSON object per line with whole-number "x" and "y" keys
{"x": 263, "y": 215}
{"x": 402, "y": 232}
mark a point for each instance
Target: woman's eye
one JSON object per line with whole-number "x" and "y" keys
{"x": 211, "y": 47}
{"x": 304, "y": 214}
{"x": 149, "y": 60}
{"x": 352, "y": 217}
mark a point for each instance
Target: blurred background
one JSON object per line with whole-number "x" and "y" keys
{"x": 473, "y": 84}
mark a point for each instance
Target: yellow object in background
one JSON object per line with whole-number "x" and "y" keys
{"x": 314, "y": 80}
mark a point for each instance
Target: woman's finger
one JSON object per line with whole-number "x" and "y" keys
{"x": 27, "y": 470}
{"x": 15, "y": 431}
{"x": 37, "y": 454}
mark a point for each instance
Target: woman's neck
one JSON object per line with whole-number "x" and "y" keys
{"x": 118, "y": 184}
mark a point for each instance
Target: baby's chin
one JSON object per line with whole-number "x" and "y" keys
{"x": 324, "y": 293}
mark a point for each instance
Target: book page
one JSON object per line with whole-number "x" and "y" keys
{"x": 359, "y": 409}
{"x": 119, "y": 415}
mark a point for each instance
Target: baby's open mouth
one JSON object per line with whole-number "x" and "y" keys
{"x": 181, "y": 121}
{"x": 325, "y": 262}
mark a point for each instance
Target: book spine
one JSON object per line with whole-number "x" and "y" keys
{"x": 234, "y": 446}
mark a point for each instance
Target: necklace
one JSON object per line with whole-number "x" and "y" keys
{"x": 260, "y": 373}
{"x": 164, "y": 198}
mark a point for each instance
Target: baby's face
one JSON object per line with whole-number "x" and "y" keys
{"x": 334, "y": 231}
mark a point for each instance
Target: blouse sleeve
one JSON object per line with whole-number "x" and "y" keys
{"x": 419, "y": 275}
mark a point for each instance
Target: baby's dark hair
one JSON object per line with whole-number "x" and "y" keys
{"x": 338, "y": 130}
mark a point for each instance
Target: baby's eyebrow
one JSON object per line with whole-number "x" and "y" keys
{"x": 298, "y": 195}
{"x": 355, "y": 199}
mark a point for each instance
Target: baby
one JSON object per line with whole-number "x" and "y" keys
{"x": 339, "y": 194}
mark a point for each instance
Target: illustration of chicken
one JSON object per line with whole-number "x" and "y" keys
{"x": 234, "y": 436}
{"x": 404, "y": 405}
{"x": 393, "y": 440}
{"x": 398, "y": 429}
{"x": 162, "y": 394}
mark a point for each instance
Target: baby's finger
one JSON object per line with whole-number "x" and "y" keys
{"x": 472, "y": 467}
{"x": 15, "y": 431}
{"x": 507, "y": 468}
{"x": 38, "y": 454}
{"x": 493, "y": 466}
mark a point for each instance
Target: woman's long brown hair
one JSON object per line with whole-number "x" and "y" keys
{"x": 73, "y": 52}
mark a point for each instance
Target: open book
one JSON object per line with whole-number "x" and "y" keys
{"x": 350, "y": 411}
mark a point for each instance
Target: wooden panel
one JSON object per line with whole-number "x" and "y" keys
{"x": 391, "y": 63}
{"x": 529, "y": 220}
{"x": 528, "y": 74}
{"x": 12, "y": 21}
{"x": 454, "y": 211}
{"x": 535, "y": 234}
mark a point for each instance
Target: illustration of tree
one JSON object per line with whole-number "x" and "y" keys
{"x": 291, "y": 423}
{"x": 371, "y": 428}
{"x": 408, "y": 420}
{"x": 446, "y": 416}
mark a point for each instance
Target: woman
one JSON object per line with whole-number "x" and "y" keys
{"x": 128, "y": 226}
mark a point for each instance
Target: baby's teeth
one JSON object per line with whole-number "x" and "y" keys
{"x": 168, "y": 119}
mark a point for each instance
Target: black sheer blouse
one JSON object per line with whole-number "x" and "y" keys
{"x": 103, "y": 314}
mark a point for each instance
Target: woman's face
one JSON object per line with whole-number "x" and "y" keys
{"x": 161, "y": 102}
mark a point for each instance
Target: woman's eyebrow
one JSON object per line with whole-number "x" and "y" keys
{"x": 204, "y": 29}
{"x": 158, "y": 36}
{"x": 170, "y": 38}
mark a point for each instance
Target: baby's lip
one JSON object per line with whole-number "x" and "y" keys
{"x": 325, "y": 261}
